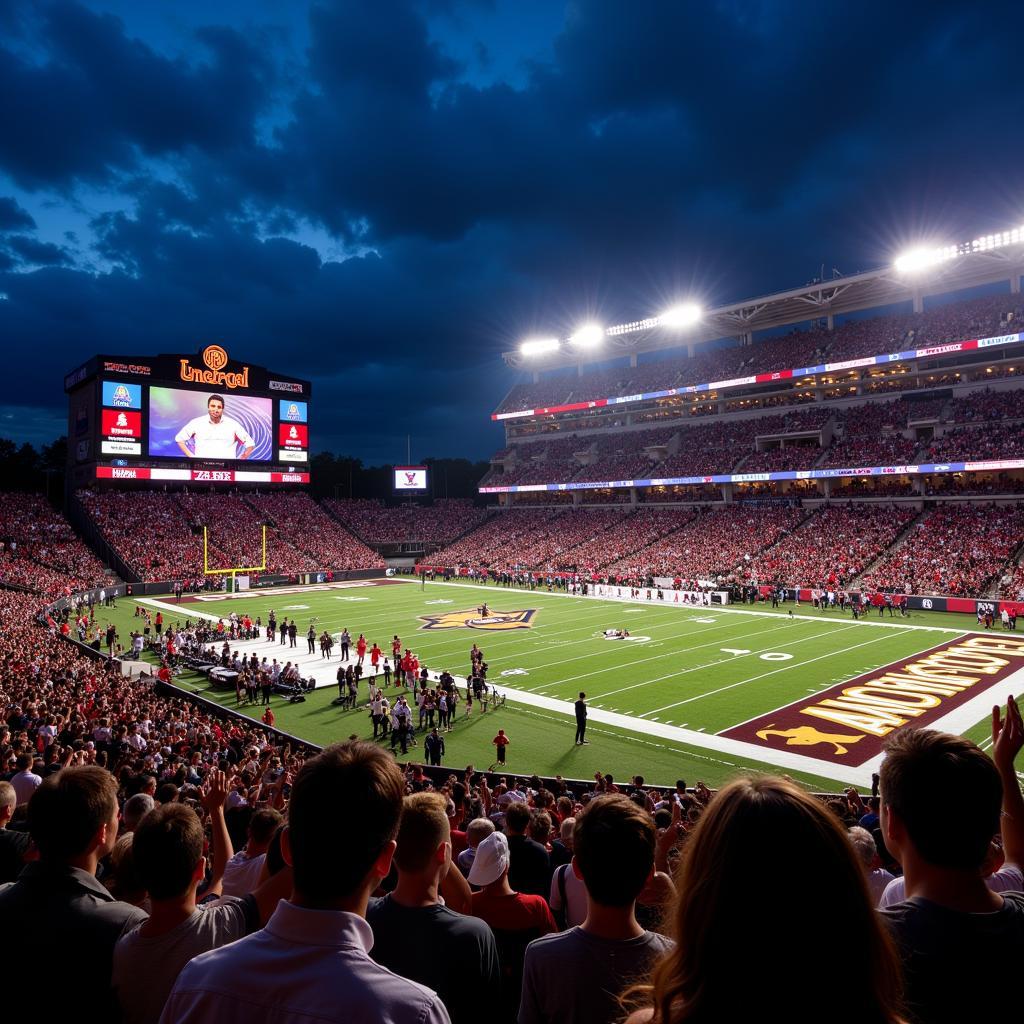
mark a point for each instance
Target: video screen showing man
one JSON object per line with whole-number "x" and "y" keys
{"x": 214, "y": 436}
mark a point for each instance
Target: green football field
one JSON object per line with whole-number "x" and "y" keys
{"x": 659, "y": 701}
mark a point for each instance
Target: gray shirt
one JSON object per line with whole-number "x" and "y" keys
{"x": 145, "y": 969}
{"x": 574, "y": 977}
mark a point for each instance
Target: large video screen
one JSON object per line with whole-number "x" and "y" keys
{"x": 410, "y": 478}
{"x": 210, "y": 425}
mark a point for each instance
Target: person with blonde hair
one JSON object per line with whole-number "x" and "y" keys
{"x": 773, "y": 916}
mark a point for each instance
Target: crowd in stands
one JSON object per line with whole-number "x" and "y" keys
{"x": 710, "y": 545}
{"x": 983, "y": 406}
{"x": 832, "y": 546}
{"x": 982, "y": 443}
{"x": 159, "y": 534}
{"x": 439, "y": 523}
{"x": 778, "y": 460}
{"x": 854, "y": 339}
{"x": 306, "y": 526}
{"x": 956, "y": 549}
{"x": 363, "y": 892}
{"x": 41, "y": 552}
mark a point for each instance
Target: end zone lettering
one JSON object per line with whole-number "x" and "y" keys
{"x": 848, "y": 723}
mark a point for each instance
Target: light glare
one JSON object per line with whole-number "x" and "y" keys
{"x": 535, "y": 346}
{"x": 686, "y": 314}
{"x": 588, "y": 335}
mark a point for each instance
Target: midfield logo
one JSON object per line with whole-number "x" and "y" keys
{"x": 472, "y": 619}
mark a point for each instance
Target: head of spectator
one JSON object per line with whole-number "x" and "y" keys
{"x": 168, "y": 851}
{"x": 424, "y": 851}
{"x": 752, "y": 834}
{"x": 517, "y": 818}
{"x": 72, "y": 817}
{"x": 135, "y": 809}
{"x": 8, "y": 803}
{"x": 262, "y": 827}
{"x": 540, "y": 827}
{"x": 491, "y": 863}
{"x": 924, "y": 773}
{"x": 337, "y": 866}
{"x": 124, "y": 881}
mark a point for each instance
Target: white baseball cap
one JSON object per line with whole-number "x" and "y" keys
{"x": 491, "y": 860}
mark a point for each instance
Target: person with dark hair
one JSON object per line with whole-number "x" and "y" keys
{"x": 577, "y": 975}
{"x": 954, "y": 933}
{"x": 455, "y": 955}
{"x": 169, "y": 862}
{"x": 747, "y": 841}
{"x": 312, "y": 961}
{"x": 581, "y": 719}
{"x": 530, "y": 867}
{"x": 243, "y": 870}
{"x": 72, "y": 818}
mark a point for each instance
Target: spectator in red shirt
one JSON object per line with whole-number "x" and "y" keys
{"x": 501, "y": 741}
{"x": 515, "y": 918}
{"x": 268, "y": 717}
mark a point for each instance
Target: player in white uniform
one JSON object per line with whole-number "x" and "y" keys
{"x": 215, "y": 436}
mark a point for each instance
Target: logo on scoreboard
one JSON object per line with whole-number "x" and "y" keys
{"x": 122, "y": 396}
{"x": 472, "y": 619}
{"x": 215, "y": 358}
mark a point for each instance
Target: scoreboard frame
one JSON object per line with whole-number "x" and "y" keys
{"x": 109, "y": 419}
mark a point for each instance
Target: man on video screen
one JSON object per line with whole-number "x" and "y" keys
{"x": 214, "y": 436}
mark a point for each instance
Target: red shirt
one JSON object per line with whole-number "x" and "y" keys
{"x": 500, "y": 741}
{"x": 361, "y": 646}
{"x": 375, "y": 654}
{"x": 517, "y": 912}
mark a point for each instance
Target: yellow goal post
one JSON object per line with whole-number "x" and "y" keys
{"x": 234, "y": 570}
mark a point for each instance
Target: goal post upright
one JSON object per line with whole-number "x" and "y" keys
{"x": 233, "y": 570}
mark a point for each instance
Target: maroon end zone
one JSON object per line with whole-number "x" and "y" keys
{"x": 278, "y": 590}
{"x": 848, "y": 723}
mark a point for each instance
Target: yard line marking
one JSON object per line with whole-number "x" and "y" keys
{"x": 763, "y": 675}
{"x": 713, "y": 664}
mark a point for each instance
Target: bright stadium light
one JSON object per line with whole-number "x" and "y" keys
{"x": 915, "y": 260}
{"x": 536, "y": 346}
{"x": 684, "y": 315}
{"x": 588, "y": 336}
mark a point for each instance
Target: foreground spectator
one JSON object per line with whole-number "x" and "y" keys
{"x": 168, "y": 859}
{"x": 515, "y": 918}
{"x": 734, "y": 947}
{"x": 955, "y": 935}
{"x": 529, "y": 870}
{"x": 14, "y": 846}
{"x": 311, "y": 961}
{"x": 867, "y": 850}
{"x": 72, "y": 819}
{"x": 576, "y": 976}
{"x": 243, "y": 870}
{"x": 416, "y": 935}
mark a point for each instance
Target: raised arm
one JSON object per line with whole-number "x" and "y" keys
{"x": 214, "y": 794}
{"x": 1007, "y": 740}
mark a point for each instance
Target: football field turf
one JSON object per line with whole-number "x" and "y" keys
{"x": 694, "y": 693}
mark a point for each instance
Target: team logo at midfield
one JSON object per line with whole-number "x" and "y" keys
{"x": 472, "y": 619}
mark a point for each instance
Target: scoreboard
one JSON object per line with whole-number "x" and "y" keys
{"x": 204, "y": 418}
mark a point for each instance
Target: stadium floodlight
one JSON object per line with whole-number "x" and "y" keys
{"x": 914, "y": 260}
{"x": 588, "y": 336}
{"x": 537, "y": 346}
{"x": 684, "y": 315}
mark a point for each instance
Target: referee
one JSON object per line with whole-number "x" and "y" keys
{"x": 581, "y": 719}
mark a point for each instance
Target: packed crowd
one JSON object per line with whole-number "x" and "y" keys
{"x": 983, "y": 406}
{"x": 832, "y": 546}
{"x": 992, "y": 441}
{"x": 159, "y": 534}
{"x": 360, "y": 892}
{"x": 854, "y": 339}
{"x": 711, "y": 545}
{"x": 440, "y": 523}
{"x": 957, "y": 549}
{"x": 41, "y": 552}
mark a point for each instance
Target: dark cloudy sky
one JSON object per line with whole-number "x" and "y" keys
{"x": 383, "y": 196}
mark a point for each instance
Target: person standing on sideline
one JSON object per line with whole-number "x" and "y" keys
{"x": 433, "y": 747}
{"x": 346, "y": 639}
{"x": 311, "y": 638}
{"x": 581, "y": 719}
{"x": 501, "y": 741}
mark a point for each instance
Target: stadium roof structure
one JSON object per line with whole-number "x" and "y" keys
{"x": 969, "y": 265}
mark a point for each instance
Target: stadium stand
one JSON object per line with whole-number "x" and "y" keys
{"x": 440, "y": 523}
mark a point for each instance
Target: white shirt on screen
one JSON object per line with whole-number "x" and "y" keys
{"x": 215, "y": 440}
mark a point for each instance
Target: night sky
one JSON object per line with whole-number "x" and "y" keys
{"x": 384, "y": 196}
